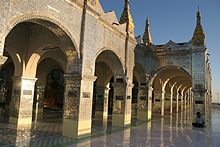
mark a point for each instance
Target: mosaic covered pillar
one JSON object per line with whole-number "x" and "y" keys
{"x": 78, "y": 106}
{"x": 121, "y": 103}
{"x": 142, "y": 103}
{"x": 21, "y": 106}
{"x": 3, "y": 99}
{"x": 101, "y": 109}
{"x": 162, "y": 102}
{"x": 149, "y": 106}
{"x": 199, "y": 80}
{"x": 40, "y": 89}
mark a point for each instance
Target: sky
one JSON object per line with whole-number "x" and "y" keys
{"x": 175, "y": 20}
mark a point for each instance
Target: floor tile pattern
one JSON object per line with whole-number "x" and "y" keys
{"x": 168, "y": 131}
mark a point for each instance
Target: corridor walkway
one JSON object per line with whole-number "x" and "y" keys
{"x": 168, "y": 131}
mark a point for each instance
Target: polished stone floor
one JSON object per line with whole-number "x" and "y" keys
{"x": 171, "y": 130}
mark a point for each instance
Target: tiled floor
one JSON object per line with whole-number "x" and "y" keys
{"x": 168, "y": 131}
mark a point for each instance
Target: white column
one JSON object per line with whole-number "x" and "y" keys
{"x": 171, "y": 98}
{"x": 162, "y": 102}
{"x": 185, "y": 101}
{"x": 171, "y": 102}
{"x": 177, "y": 98}
{"x": 150, "y": 93}
{"x": 21, "y": 106}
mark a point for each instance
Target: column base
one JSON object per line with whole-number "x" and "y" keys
{"x": 121, "y": 120}
{"x": 142, "y": 115}
{"x": 76, "y": 129}
{"x": 24, "y": 123}
{"x": 149, "y": 115}
{"x": 102, "y": 115}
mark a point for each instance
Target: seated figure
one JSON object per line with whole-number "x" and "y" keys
{"x": 200, "y": 123}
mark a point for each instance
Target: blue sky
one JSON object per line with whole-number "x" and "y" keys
{"x": 175, "y": 20}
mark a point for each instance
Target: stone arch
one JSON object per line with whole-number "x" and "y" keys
{"x": 160, "y": 70}
{"x": 173, "y": 79}
{"x": 108, "y": 67}
{"x": 116, "y": 63}
{"x": 69, "y": 47}
{"x": 16, "y": 59}
{"x": 48, "y": 69}
{"x": 49, "y": 22}
{"x": 38, "y": 56}
{"x": 159, "y": 81}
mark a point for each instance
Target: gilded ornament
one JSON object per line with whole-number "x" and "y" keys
{"x": 70, "y": 54}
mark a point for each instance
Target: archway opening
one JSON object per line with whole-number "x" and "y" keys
{"x": 134, "y": 102}
{"x": 139, "y": 95}
{"x": 165, "y": 82}
{"x": 107, "y": 65}
{"x": 54, "y": 90}
{"x": 50, "y": 88}
{"x": 43, "y": 50}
